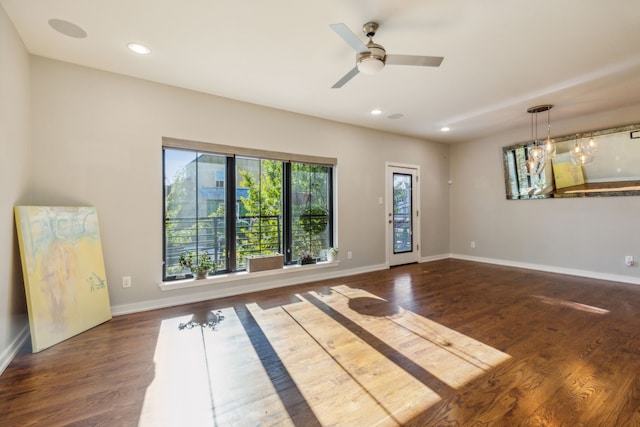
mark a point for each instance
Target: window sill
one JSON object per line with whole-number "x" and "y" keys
{"x": 243, "y": 275}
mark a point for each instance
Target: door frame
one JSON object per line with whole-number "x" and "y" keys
{"x": 415, "y": 170}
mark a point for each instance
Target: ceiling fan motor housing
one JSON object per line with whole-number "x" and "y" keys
{"x": 369, "y": 29}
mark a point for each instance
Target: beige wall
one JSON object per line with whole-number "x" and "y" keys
{"x": 97, "y": 141}
{"x": 14, "y": 152}
{"x": 583, "y": 236}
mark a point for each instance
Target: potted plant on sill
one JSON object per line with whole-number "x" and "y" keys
{"x": 306, "y": 259}
{"x": 198, "y": 264}
{"x": 332, "y": 254}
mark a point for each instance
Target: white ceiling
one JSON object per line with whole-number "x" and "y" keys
{"x": 501, "y": 56}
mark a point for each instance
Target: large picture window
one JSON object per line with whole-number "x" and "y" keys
{"x": 229, "y": 207}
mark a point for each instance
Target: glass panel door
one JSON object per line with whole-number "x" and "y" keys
{"x": 402, "y": 208}
{"x": 403, "y": 227}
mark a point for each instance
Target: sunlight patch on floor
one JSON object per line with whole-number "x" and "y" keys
{"x": 201, "y": 378}
{"x": 452, "y": 357}
{"x": 345, "y": 380}
{"x": 179, "y": 393}
{"x": 243, "y": 393}
{"x": 344, "y": 357}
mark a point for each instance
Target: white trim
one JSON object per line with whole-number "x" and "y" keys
{"x": 10, "y": 352}
{"x": 222, "y": 291}
{"x": 434, "y": 258}
{"x": 416, "y": 220}
{"x": 401, "y": 165}
{"x": 552, "y": 269}
{"x": 243, "y": 275}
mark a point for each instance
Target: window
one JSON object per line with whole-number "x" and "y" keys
{"x": 194, "y": 209}
{"x": 219, "y": 178}
{"x": 259, "y": 222}
{"x": 231, "y": 206}
{"x": 311, "y": 228}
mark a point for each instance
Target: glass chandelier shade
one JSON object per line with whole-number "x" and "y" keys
{"x": 536, "y": 159}
{"x": 584, "y": 150}
{"x": 539, "y": 153}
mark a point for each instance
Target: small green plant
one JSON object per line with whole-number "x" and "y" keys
{"x": 333, "y": 251}
{"x": 198, "y": 264}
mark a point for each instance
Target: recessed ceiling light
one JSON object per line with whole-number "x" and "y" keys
{"x": 67, "y": 28}
{"x": 139, "y": 48}
{"x": 445, "y": 129}
{"x": 376, "y": 112}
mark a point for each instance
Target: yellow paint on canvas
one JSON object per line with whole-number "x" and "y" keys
{"x": 63, "y": 269}
{"x": 566, "y": 172}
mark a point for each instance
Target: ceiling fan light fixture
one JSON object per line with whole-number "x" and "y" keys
{"x": 371, "y": 61}
{"x": 370, "y": 65}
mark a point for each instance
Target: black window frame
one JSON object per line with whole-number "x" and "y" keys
{"x": 230, "y": 204}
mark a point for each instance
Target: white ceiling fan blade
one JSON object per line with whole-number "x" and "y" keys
{"x": 351, "y": 74}
{"x": 420, "y": 61}
{"x": 348, "y": 36}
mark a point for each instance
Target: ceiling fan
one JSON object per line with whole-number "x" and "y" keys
{"x": 372, "y": 57}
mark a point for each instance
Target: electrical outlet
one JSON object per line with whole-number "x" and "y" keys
{"x": 126, "y": 281}
{"x": 349, "y": 255}
{"x": 628, "y": 260}
{"x": 473, "y": 244}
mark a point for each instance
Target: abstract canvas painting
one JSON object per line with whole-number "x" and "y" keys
{"x": 566, "y": 172}
{"x": 64, "y": 274}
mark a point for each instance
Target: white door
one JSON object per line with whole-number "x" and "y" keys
{"x": 403, "y": 225}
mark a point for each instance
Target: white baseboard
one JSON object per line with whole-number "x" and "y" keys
{"x": 221, "y": 291}
{"x": 552, "y": 269}
{"x": 10, "y": 352}
{"x": 278, "y": 281}
{"x": 434, "y": 258}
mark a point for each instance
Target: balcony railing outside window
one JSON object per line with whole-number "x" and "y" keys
{"x": 211, "y": 239}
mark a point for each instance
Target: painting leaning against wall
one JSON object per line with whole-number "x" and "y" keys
{"x": 63, "y": 269}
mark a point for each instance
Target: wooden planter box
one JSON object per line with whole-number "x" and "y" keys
{"x": 266, "y": 262}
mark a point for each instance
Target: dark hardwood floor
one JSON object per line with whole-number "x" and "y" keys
{"x": 445, "y": 343}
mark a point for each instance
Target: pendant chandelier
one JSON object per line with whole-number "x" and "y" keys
{"x": 539, "y": 152}
{"x": 584, "y": 150}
